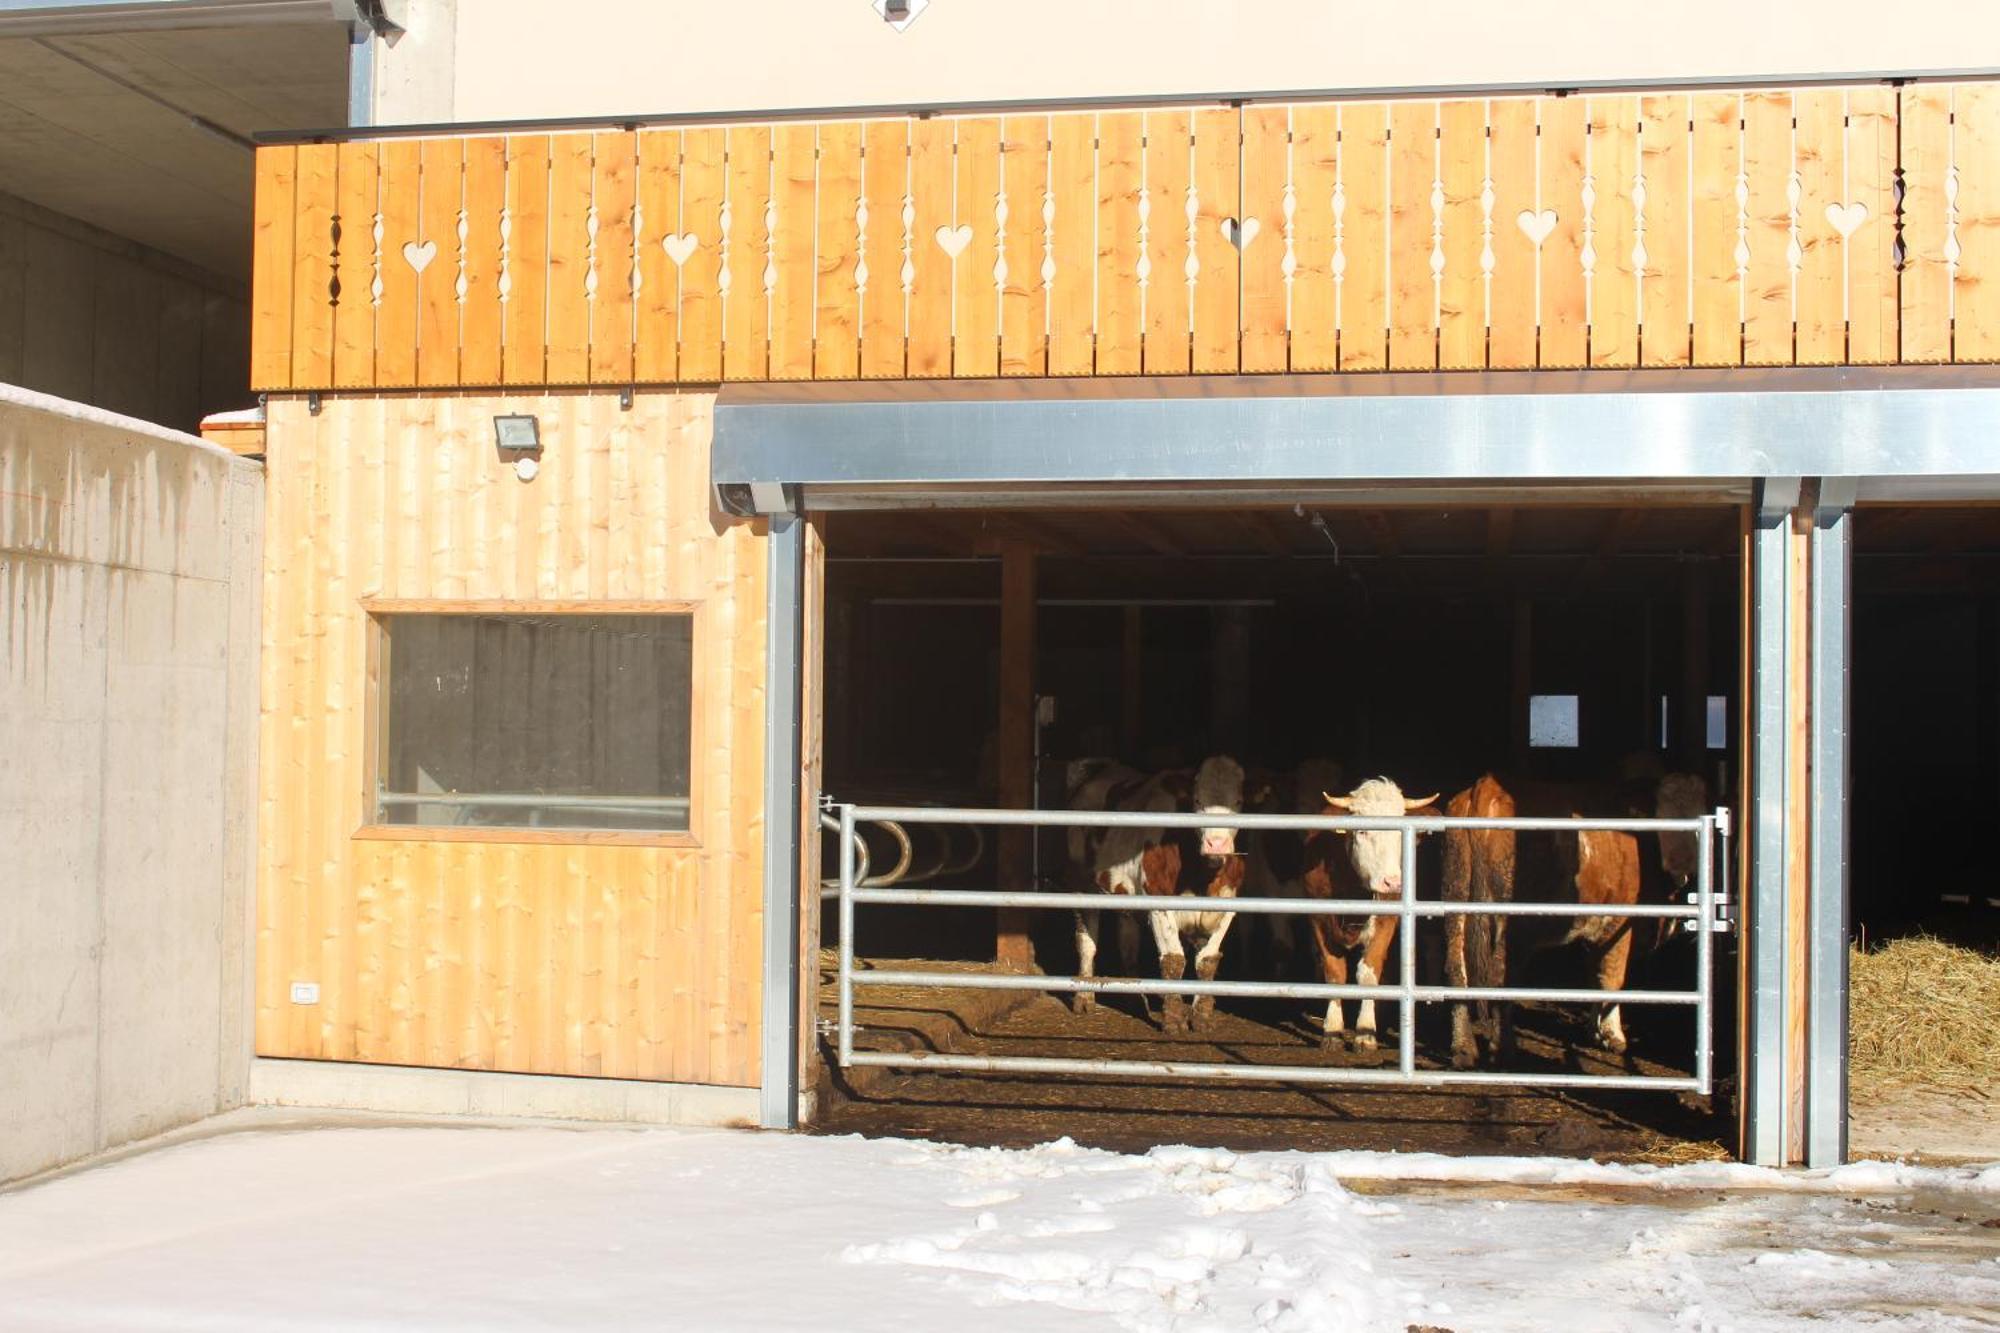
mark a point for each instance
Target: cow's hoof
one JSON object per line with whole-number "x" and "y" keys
{"x": 1364, "y": 1041}
{"x": 1083, "y": 1002}
{"x": 1203, "y": 1017}
{"x": 1464, "y": 1057}
{"x": 1612, "y": 1045}
{"x": 1174, "y": 1017}
{"x": 1333, "y": 1041}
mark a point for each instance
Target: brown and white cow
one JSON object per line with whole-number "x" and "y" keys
{"x": 1590, "y": 867}
{"x": 1150, "y": 860}
{"x": 1363, "y": 866}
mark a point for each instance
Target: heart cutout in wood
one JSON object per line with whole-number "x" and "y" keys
{"x": 420, "y": 256}
{"x": 1239, "y": 233}
{"x": 1536, "y": 226}
{"x": 953, "y": 240}
{"x": 680, "y": 246}
{"x": 1847, "y": 218}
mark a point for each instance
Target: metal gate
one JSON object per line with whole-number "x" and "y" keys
{"x": 1704, "y": 913}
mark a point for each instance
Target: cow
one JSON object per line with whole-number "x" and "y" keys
{"x": 1589, "y": 867}
{"x": 1363, "y": 866}
{"x": 1276, "y": 858}
{"x": 1142, "y": 860}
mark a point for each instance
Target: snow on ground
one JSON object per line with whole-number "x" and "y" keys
{"x": 385, "y": 1227}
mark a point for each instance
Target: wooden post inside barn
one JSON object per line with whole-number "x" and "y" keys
{"x": 1016, "y": 743}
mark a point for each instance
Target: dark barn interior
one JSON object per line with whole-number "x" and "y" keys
{"x": 1427, "y": 642}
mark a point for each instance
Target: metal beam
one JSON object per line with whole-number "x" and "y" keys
{"x": 51, "y": 18}
{"x": 1945, "y": 441}
{"x": 778, "y": 1104}
{"x": 1763, "y": 1081}
{"x": 1827, "y": 921}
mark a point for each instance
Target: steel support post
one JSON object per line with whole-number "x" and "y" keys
{"x": 779, "y": 1100}
{"x": 1827, "y": 922}
{"x": 1762, "y": 1088}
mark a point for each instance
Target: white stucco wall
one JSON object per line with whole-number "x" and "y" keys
{"x": 522, "y": 59}
{"x": 128, "y": 714}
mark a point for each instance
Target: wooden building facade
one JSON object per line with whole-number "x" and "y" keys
{"x": 611, "y": 282}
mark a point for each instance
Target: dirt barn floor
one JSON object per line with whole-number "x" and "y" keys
{"x": 1133, "y": 1115}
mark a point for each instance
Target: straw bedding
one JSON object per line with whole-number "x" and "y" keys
{"x": 1925, "y": 1011}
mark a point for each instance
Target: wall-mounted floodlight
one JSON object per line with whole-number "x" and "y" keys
{"x": 520, "y": 436}
{"x": 900, "y": 14}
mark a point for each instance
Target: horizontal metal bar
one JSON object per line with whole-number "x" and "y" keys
{"x": 919, "y": 814}
{"x": 1387, "y": 1076}
{"x": 520, "y": 799}
{"x": 1348, "y": 907}
{"x": 1283, "y": 990}
{"x": 1132, "y": 101}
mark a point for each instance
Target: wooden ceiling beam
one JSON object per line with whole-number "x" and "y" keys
{"x": 1499, "y": 531}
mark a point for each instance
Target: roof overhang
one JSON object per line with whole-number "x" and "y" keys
{"x": 1902, "y": 436}
{"x": 48, "y": 18}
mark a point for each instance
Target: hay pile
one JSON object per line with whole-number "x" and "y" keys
{"x": 1925, "y": 1011}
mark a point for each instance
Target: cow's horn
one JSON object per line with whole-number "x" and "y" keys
{"x": 1419, "y": 802}
{"x": 1338, "y": 802}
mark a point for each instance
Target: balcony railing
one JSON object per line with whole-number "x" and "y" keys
{"x": 1813, "y": 226}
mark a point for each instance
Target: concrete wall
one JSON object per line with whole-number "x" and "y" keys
{"x": 97, "y": 319}
{"x": 128, "y": 715}
{"x": 514, "y": 59}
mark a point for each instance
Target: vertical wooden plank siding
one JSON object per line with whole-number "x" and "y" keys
{"x": 396, "y": 315}
{"x": 885, "y": 167}
{"x": 615, "y": 196}
{"x": 1767, "y": 162}
{"x": 1464, "y": 240}
{"x": 1267, "y": 152}
{"x": 1927, "y": 223}
{"x": 1870, "y": 247}
{"x": 1024, "y": 170}
{"x": 837, "y": 322}
{"x": 702, "y": 193}
{"x": 570, "y": 200}
{"x": 1217, "y": 183}
{"x": 1614, "y": 285}
{"x": 360, "y": 261}
{"x": 794, "y": 154}
{"x": 275, "y": 216}
{"x": 975, "y": 336}
{"x": 313, "y": 250}
{"x": 1073, "y": 281}
{"x": 441, "y": 173}
{"x": 481, "y": 309}
{"x": 1976, "y": 155}
{"x": 661, "y": 249}
{"x": 1520, "y": 223}
{"x": 1315, "y": 331}
{"x": 1414, "y": 241}
{"x": 1120, "y": 321}
{"x": 1718, "y": 219}
{"x": 1169, "y": 243}
{"x": 933, "y": 224}
{"x": 1565, "y": 301}
{"x": 1665, "y": 337}
{"x": 1819, "y": 117}
{"x": 625, "y": 961}
{"x": 524, "y": 262}
{"x": 746, "y": 305}
{"x": 1361, "y": 238}
{"x": 1662, "y": 229}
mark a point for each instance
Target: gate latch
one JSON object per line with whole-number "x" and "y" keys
{"x": 1724, "y": 920}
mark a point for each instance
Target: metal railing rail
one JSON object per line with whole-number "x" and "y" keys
{"x": 1702, "y": 913}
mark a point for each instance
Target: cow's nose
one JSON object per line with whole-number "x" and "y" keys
{"x": 1217, "y": 844}
{"x": 1392, "y": 883}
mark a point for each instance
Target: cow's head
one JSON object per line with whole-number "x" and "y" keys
{"x": 1377, "y": 853}
{"x": 1218, "y": 790}
{"x": 1680, "y": 796}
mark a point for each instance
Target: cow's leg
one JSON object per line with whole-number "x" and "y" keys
{"x": 1205, "y": 964}
{"x": 1332, "y": 971}
{"x": 1087, "y": 924}
{"x": 1464, "y": 1047}
{"x": 1611, "y": 965}
{"x": 1374, "y": 961}
{"x": 1173, "y": 966}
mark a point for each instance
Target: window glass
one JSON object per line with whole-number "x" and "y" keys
{"x": 536, "y": 721}
{"x": 1552, "y": 721}
{"x": 1718, "y": 721}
